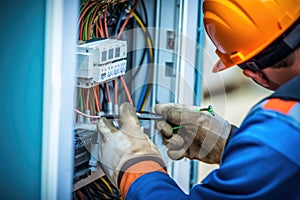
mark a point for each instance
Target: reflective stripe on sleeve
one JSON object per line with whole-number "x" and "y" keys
{"x": 279, "y": 105}
{"x": 135, "y": 171}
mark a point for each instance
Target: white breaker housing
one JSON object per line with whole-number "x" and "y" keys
{"x": 100, "y": 61}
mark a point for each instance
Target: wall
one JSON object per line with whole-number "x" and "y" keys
{"x": 21, "y": 81}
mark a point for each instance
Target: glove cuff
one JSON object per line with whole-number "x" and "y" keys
{"x": 232, "y": 129}
{"x": 134, "y": 161}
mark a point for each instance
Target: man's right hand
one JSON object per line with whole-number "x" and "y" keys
{"x": 199, "y": 135}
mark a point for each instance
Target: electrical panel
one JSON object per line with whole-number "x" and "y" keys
{"x": 120, "y": 58}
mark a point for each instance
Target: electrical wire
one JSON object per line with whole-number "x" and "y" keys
{"x": 112, "y": 14}
{"x": 105, "y": 24}
{"x": 87, "y": 99}
{"x": 81, "y": 21}
{"x": 115, "y": 92}
{"x": 145, "y": 12}
{"x": 92, "y": 104}
{"x": 119, "y": 21}
{"x": 107, "y": 92}
{"x": 96, "y": 100}
{"x": 86, "y": 115}
{"x": 88, "y": 193}
{"x": 101, "y": 27}
{"x": 126, "y": 90}
{"x": 80, "y": 195}
{"x": 93, "y": 22}
{"x": 107, "y": 184}
{"x": 127, "y": 19}
{"x": 146, "y": 89}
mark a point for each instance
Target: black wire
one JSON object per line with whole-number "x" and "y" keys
{"x": 105, "y": 100}
{"x": 147, "y": 112}
{"x": 96, "y": 190}
{"x": 145, "y": 13}
{"x": 96, "y": 196}
{"x": 88, "y": 193}
{"x": 101, "y": 192}
{"x": 74, "y": 196}
{"x": 145, "y": 49}
{"x": 112, "y": 13}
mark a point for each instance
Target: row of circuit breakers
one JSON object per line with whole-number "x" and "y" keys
{"x": 97, "y": 62}
{"x": 100, "y": 61}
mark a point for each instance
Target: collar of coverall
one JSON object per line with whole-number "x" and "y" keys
{"x": 288, "y": 91}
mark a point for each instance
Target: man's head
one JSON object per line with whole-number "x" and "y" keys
{"x": 260, "y": 36}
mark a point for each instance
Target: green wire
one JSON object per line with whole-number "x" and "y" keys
{"x": 92, "y": 102}
{"x": 80, "y": 99}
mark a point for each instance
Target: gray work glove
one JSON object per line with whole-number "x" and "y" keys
{"x": 201, "y": 135}
{"x": 121, "y": 148}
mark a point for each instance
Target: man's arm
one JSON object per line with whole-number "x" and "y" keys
{"x": 250, "y": 169}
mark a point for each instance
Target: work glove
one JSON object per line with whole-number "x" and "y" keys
{"x": 122, "y": 147}
{"x": 188, "y": 132}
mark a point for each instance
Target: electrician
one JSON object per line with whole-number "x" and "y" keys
{"x": 259, "y": 160}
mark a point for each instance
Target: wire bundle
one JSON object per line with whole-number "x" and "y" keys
{"x": 88, "y": 99}
{"x": 99, "y": 189}
{"x": 93, "y": 21}
{"x": 98, "y": 18}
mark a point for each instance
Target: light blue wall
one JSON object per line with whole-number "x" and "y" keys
{"x": 21, "y": 96}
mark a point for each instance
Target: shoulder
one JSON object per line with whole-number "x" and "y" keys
{"x": 274, "y": 124}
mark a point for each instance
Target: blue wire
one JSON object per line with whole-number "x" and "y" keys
{"x": 119, "y": 21}
{"x": 143, "y": 93}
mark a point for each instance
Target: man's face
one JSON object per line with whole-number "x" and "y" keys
{"x": 272, "y": 78}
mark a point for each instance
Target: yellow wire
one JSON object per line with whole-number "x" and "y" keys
{"x": 107, "y": 185}
{"x": 139, "y": 21}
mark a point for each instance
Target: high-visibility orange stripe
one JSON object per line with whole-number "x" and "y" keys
{"x": 279, "y": 105}
{"x": 135, "y": 171}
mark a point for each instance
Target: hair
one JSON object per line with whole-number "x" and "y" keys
{"x": 287, "y": 61}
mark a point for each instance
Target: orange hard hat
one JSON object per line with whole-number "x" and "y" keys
{"x": 242, "y": 29}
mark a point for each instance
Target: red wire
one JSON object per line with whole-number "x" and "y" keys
{"x": 126, "y": 90}
{"x": 85, "y": 10}
{"x": 86, "y": 115}
{"x": 127, "y": 19}
{"x": 90, "y": 27}
{"x": 96, "y": 30}
{"x": 81, "y": 17}
{"x": 105, "y": 24}
{"x": 81, "y": 29}
{"x": 115, "y": 92}
{"x": 101, "y": 28}
{"x": 107, "y": 92}
{"x": 96, "y": 100}
{"x": 80, "y": 195}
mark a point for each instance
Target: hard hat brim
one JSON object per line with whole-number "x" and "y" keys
{"x": 219, "y": 66}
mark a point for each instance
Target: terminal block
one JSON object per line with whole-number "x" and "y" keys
{"x": 100, "y": 61}
{"x": 85, "y": 144}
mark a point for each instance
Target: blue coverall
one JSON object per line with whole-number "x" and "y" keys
{"x": 261, "y": 159}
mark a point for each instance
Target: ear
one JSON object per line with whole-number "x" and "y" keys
{"x": 258, "y": 77}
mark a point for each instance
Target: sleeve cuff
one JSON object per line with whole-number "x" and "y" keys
{"x": 136, "y": 170}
